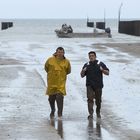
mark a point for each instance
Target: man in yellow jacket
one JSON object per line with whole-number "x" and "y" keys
{"x": 57, "y": 68}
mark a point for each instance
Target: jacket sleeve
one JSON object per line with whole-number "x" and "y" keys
{"x": 69, "y": 68}
{"x": 104, "y": 66}
{"x": 83, "y": 71}
{"x": 46, "y": 67}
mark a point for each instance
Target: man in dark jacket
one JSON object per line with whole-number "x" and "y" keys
{"x": 94, "y": 70}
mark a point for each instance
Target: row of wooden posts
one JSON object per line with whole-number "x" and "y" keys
{"x": 126, "y": 27}
{"x": 129, "y": 27}
{"x": 99, "y": 25}
{"x": 6, "y": 25}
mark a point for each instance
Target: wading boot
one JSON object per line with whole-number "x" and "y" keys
{"x": 90, "y": 117}
{"x": 52, "y": 114}
{"x": 98, "y": 115}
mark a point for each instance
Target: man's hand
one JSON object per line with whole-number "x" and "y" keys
{"x": 106, "y": 72}
{"x": 83, "y": 72}
{"x": 85, "y": 69}
{"x": 101, "y": 68}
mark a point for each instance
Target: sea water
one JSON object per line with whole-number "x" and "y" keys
{"x": 43, "y": 29}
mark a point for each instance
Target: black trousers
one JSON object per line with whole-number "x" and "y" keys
{"x": 94, "y": 94}
{"x": 58, "y": 97}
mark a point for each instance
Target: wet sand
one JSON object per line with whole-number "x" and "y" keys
{"x": 130, "y": 48}
{"x": 29, "y": 119}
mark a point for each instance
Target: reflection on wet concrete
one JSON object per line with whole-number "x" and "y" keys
{"x": 98, "y": 129}
{"x": 80, "y": 129}
{"x": 59, "y": 126}
{"x": 93, "y": 130}
{"x": 94, "y": 133}
{"x": 52, "y": 122}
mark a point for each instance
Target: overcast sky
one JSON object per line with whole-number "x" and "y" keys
{"x": 69, "y": 8}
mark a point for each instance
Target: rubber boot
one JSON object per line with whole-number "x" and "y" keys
{"x": 52, "y": 105}
{"x": 90, "y": 108}
{"x": 59, "y": 101}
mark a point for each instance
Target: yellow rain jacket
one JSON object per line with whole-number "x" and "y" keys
{"x": 57, "y": 71}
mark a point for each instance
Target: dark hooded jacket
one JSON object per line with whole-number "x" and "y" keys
{"x": 94, "y": 76}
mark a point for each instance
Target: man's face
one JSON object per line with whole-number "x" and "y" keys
{"x": 92, "y": 57}
{"x": 60, "y": 53}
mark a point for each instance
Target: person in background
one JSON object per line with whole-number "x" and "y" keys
{"x": 57, "y": 68}
{"x": 64, "y": 28}
{"x": 94, "y": 70}
{"x": 70, "y": 30}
